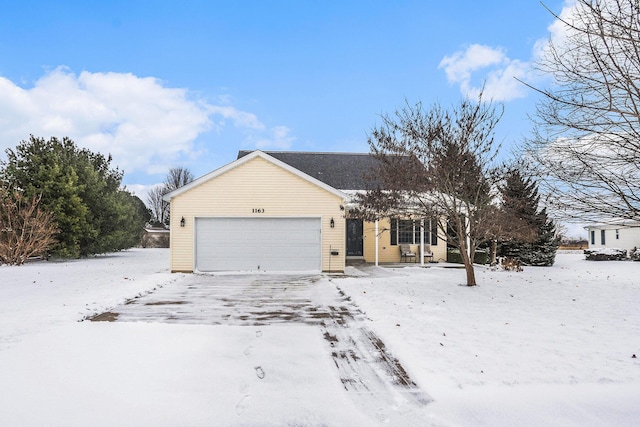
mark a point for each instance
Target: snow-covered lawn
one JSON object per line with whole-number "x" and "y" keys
{"x": 546, "y": 346}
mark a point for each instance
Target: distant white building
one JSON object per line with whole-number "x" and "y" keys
{"x": 619, "y": 233}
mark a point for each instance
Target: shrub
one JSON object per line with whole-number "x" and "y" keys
{"x": 511, "y": 264}
{"x": 606, "y": 254}
{"x": 481, "y": 256}
{"x": 25, "y": 229}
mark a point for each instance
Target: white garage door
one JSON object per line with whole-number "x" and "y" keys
{"x": 252, "y": 244}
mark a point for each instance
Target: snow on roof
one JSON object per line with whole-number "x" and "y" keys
{"x": 614, "y": 223}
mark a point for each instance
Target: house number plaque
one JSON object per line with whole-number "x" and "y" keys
{"x": 257, "y": 210}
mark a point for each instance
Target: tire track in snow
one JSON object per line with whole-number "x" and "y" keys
{"x": 368, "y": 371}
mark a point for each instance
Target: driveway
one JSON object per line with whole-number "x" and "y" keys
{"x": 367, "y": 370}
{"x": 244, "y": 300}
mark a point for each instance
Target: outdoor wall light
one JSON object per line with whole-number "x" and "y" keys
{"x": 332, "y": 223}
{"x": 182, "y": 222}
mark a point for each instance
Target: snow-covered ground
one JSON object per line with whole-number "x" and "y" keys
{"x": 546, "y": 346}
{"x": 542, "y": 347}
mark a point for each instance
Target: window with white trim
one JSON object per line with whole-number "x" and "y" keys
{"x": 602, "y": 237}
{"x": 408, "y": 231}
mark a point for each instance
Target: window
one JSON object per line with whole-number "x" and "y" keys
{"x": 434, "y": 232}
{"x": 602, "y": 237}
{"x": 617, "y": 234}
{"x": 593, "y": 237}
{"x": 408, "y": 231}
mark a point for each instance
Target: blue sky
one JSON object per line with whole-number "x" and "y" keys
{"x": 162, "y": 84}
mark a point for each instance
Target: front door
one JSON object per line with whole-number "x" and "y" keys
{"x": 354, "y": 237}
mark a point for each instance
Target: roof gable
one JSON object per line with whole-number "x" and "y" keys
{"x": 245, "y": 159}
{"x": 343, "y": 171}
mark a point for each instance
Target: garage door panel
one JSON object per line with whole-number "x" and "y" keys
{"x": 250, "y": 244}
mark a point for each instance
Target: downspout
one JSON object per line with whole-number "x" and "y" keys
{"x": 377, "y": 238}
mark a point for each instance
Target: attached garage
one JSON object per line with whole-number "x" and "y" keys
{"x": 258, "y": 244}
{"x": 257, "y": 214}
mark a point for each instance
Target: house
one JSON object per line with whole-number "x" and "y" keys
{"x": 617, "y": 233}
{"x": 286, "y": 211}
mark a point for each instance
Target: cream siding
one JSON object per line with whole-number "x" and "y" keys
{"x": 256, "y": 188}
{"x": 391, "y": 253}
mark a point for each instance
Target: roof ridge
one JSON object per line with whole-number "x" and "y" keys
{"x": 307, "y": 152}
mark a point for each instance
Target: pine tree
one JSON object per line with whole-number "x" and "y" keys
{"x": 81, "y": 191}
{"x": 520, "y": 197}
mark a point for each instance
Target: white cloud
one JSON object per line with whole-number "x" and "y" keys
{"x": 558, "y": 29}
{"x": 279, "y": 138}
{"x": 461, "y": 64}
{"x": 142, "y": 190}
{"x": 476, "y": 65}
{"x": 138, "y": 120}
{"x": 501, "y": 83}
{"x": 143, "y": 124}
{"x": 500, "y": 72}
{"x": 240, "y": 119}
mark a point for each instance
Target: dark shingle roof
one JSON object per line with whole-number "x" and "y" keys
{"x": 342, "y": 171}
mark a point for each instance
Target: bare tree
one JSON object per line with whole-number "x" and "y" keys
{"x": 586, "y": 146}
{"x": 176, "y": 178}
{"x": 25, "y": 229}
{"x": 504, "y": 224}
{"x": 159, "y": 208}
{"x": 438, "y": 163}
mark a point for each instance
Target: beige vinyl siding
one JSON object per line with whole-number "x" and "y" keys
{"x": 391, "y": 253}
{"x": 257, "y": 188}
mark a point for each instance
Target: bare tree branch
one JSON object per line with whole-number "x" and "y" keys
{"x": 586, "y": 145}
{"x": 438, "y": 163}
{"x": 159, "y": 208}
{"x": 25, "y": 229}
{"x": 176, "y": 178}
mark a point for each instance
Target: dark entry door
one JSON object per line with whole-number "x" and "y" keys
{"x": 354, "y": 237}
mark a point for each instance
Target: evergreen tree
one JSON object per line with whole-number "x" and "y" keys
{"x": 521, "y": 199}
{"x": 81, "y": 191}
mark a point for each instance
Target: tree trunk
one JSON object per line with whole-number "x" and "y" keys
{"x": 468, "y": 263}
{"x": 494, "y": 252}
{"x": 471, "y": 274}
